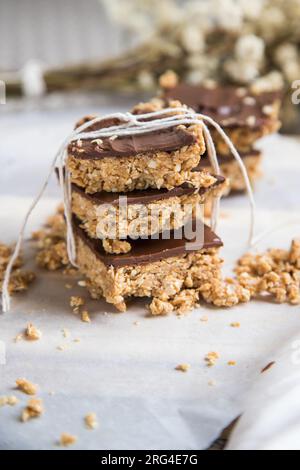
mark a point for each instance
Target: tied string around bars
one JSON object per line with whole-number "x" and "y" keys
{"x": 130, "y": 124}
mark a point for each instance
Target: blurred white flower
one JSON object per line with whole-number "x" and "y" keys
{"x": 192, "y": 39}
{"x": 241, "y": 71}
{"x": 250, "y": 48}
{"x": 251, "y": 8}
{"x": 272, "y": 81}
{"x": 286, "y": 52}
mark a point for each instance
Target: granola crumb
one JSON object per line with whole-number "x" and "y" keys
{"x": 85, "y": 316}
{"x": 204, "y": 318}
{"x": 19, "y": 337}
{"x": 235, "y": 324}
{"x": 32, "y": 333}
{"x": 231, "y": 363}
{"x": 76, "y": 302}
{"x": 168, "y": 80}
{"x": 19, "y": 280}
{"x": 116, "y": 246}
{"x": 183, "y": 367}
{"x": 26, "y": 386}
{"x": 275, "y": 272}
{"x": 76, "y": 340}
{"x": 68, "y": 286}
{"x": 81, "y": 283}
{"x": 67, "y": 439}
{"x": 136, "y": 323}
{"x": 211, "y": 383}
{"x": 91, "y": 421}
{"x": 9, "y": 400}
{"x": 211, "y": 358}
{"x": 62, "y": 347}
{"x": 34, "y": 409}
{"x": 65, "y": 333}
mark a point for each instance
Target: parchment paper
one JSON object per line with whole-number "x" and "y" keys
{"x": 123, "y": 371}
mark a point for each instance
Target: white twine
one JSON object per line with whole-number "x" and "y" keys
{"x": 130, "y": 125}
{"x": 212, "y": 155}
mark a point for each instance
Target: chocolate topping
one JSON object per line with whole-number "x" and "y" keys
{"x": 205, "y": 162}
{"x": 165, "y": 140}
{"x": 145, "y": 251}
{"x": 145, "y": 196}
{"x": 224, "y": 103}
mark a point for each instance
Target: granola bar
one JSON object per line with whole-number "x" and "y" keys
{"x": 244, "y": 115}
{"x": 157, "y": 268}
{"x": 138, "y": 213}
{"x": 162, "y": 158}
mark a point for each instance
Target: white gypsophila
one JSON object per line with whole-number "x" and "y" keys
{"x": 146, "y": 80}
{"x": 250, "y": 48}
{"x": 241, "y": 71}
{"x": 269, "y": 82}
{"x": 167, "y": 12}
{"x": 291, "y": 70}
{"x": 252, "y": 8}
{"x": 196, "y": 76}
{"x": 192, "y": 39}
{"x": 207, "y": 64}
{"x": 286, "y": 52}
{"x": 227, "y": 15}
{"x": 272, "y": 23}
{"x": 199, "y": 13}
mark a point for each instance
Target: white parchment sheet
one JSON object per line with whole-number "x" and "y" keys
{"x": 123, "y": 371}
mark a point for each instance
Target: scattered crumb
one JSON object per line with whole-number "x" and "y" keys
{"x": 211, "y": 383}
{"x": 32, "y": 333}
{"x": 76, "y": 340}
{"x": 211, "y": 358}
{"x": 231, "y": 363}
{"x": 91, "y": 421}
{"x": 276, "y": 272}
{"x": 204, "y": 318}
{"x": 85, "y": 317}
{"x": 136, "y": 323}
{"x": 82, "y": 283}
{"x": 19, "y": 280}
{"x": 183, "y": 367}
{"x": 51, "y": 393}
{"x": 34, "y": 409}
{"x": 19, "y": 337}
{"x": 76, "y": 302}
{"x": 68, "y": 286}
{"x": 62, "y": 347}
{"x": 67, "y": 439}
{"x": 65, "y": 333}
{"x": 235, "y": 324}
{"x": 51, "y": 243}
{"x": 10, "y": 400}
{"x": 26, "y": 387}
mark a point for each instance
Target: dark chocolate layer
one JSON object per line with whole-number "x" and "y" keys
{"x": 166, "y": 140}
{"x": 224, "y": 104}
{"x": 205, "y": 162}
{"x": 146, "y": 196}
{"x": 145, "y": 251}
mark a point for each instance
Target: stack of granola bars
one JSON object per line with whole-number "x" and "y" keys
{"x": 135, "y": 205}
